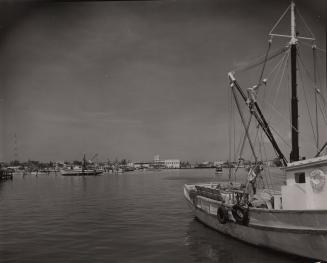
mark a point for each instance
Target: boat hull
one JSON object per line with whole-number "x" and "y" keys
{"x": 81, "y": 173}
{"x": 306, "y": 240}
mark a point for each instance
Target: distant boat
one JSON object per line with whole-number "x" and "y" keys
{"x": 39, "y": 173}
{"x": 85, "y": 170}
{"x": 292, "y": 220}
{"x": 219, "y": 170}
{"x": 80, "y": 172}
{"x": 129, "y": 169}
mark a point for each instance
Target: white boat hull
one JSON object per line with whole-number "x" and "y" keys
{"x": 302, "y": 233}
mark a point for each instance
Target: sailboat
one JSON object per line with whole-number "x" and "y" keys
{"x": 291, "y": 219}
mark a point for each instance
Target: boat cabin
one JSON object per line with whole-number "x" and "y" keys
{"x": 305, "y": 185}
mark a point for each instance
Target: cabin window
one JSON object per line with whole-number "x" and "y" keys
{"x": 300, "y": 178}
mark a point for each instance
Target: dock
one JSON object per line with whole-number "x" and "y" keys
{"x": 5, "y": 175}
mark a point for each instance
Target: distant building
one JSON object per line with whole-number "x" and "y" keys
{"x": 156, "y": 158}
{"x": 175, "y": 164}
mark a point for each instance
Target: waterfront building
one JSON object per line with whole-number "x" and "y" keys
{"x": 172, "y": 164}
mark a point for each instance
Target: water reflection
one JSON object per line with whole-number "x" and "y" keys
{"x": 208, "y": 245}
{"x": 4, "y": 182}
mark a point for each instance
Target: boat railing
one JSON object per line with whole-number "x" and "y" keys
{"x": 228, "y": 196}
{"x": 208, "y": 192}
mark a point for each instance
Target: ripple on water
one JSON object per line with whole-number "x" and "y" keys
{"x": 135, "y": 217}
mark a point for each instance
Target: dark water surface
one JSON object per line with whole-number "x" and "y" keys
{"x": 133, "y": 217}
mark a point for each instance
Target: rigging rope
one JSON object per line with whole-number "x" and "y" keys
{"x": 278, "y": 21}
{"x": 316, "y": 88}
{"x": 307, "y": 105}
{"x": 323, "y": 114}
{"x": 278, "y": 64}
{"x": 281, "y": 79}
{"x": 311, "y": 78}
{"x": 230, "y": 128}
{"x": 308, "y": 45}
{"x": 245, "y": 136}
{"x": 305, "y": 24}
{"x": 260, "y": 60}
{"x": 264, "y": 63}
{"x": 268, "y": 178}
{"x": 280, "y": 114}
{"x": 277, "y": 69}
{"x": 281, "y": 137}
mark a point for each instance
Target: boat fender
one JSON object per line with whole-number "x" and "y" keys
{"x": 317, "y": 180}
{"x": 222, "y": 215}
{"x": 240, "y": 214}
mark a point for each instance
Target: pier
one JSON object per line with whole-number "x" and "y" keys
{"x": 5, "y": 175}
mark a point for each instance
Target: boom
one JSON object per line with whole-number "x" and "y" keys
{"x": 256, "y": 111}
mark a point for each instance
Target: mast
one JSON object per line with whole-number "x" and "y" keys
{"x": 84, "y": 163}
{"x": 294, "y": 156}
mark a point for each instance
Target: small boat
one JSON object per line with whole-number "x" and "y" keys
{"x": 39, "y": 172}
{"x": 85, "y": 170}
{"x": 293, "y": 217}
{"x": 80, "y": 172}
{"x": 219, "y": 170}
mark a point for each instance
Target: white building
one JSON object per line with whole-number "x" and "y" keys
{"x": 175, "y": 164}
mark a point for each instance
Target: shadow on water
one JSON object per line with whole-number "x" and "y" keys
{"x": 5, "y": 182}
{"x": 208, "y": 245}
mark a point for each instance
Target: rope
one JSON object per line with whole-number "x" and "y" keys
{"x": 323, "y": 114}
{"x": 311, "y": 78}
{"x": 321, "y": 49}
{"x": 267, "y": 177}
{"x": 310, "y": 46}
{"x": 264, "y": 63}
{"x": 281, "y": 79}
{"x": 280, "y": 136}
{"x": 315, "y": 83}
{"x": 278, "y": 21}
{"x": 243, "y": 121}
{"x": 260, "y": 60}
{"x": 245, "y": 136}
{"x": 277, "y": 65}
{"x": 284, "y": 61}
{"x": 306, "y": 102}
{"x": 305, "y": 24}
{"x": 280, "y": 114}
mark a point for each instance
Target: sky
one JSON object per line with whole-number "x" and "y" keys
{"x": 128, "y": 79}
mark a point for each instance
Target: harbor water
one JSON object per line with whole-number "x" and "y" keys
{"x": 131, "y": 217}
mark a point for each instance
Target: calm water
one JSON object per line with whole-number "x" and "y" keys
{"x": 134, "y": 217}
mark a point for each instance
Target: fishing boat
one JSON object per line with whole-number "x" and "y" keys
{"x": 291, "y": 218}
{"x": 84, "y": 170}
{"x": 219, "y": 170}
